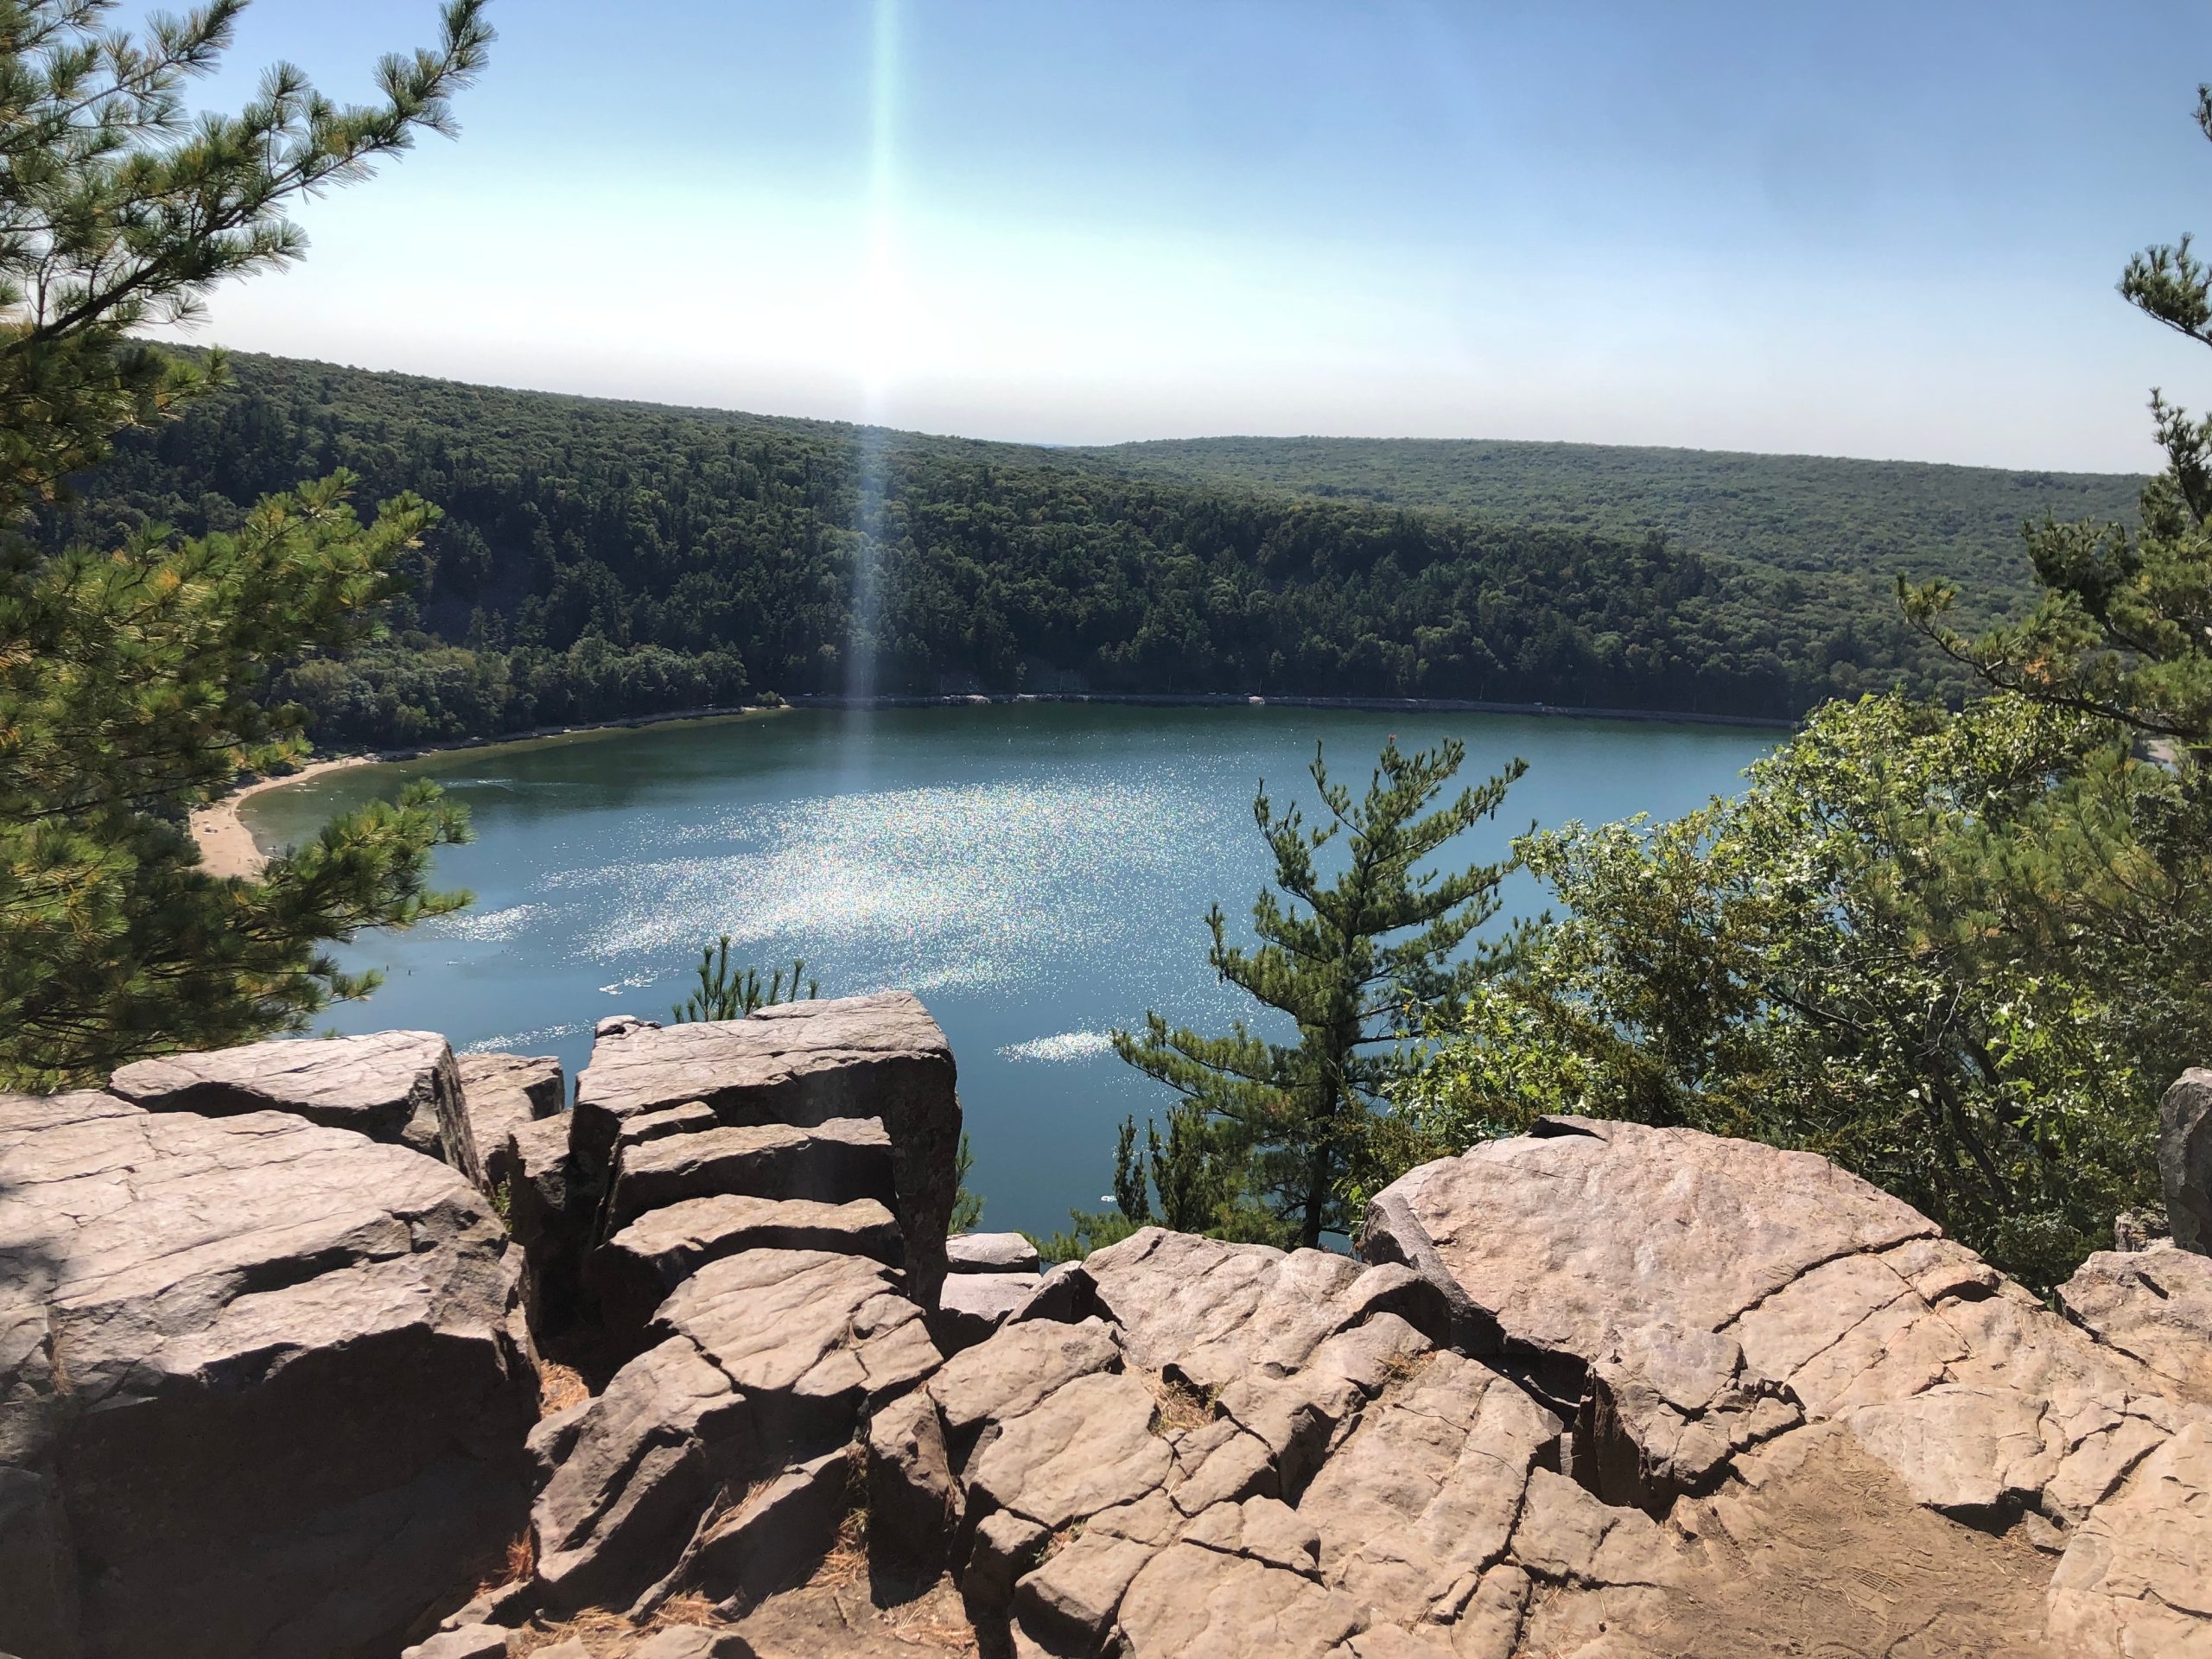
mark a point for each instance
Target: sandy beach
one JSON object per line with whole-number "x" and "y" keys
{"x": 226, "y": 846}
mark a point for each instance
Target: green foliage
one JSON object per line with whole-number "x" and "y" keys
{"x": 133, "y": 671}
{"x": 1935, "y": 948}
{"x": 2119, "y": 631}
{"x": 1272, "y": 1141}
{"x": 604, "y": 559}
{"x": 724, "y": 994}
{"x": 1820, "y": 537}
{"x": 1961, "y": 953}
{"x": 966, "y": 1206}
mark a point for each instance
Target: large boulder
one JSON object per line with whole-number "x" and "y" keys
{"x": 2185, "y": 1160}
{"x": 397, "y": 1086}
{"x": 991, "y": 1252}
{"x": 500, "y": 1094}
{"x": 2153, "y": 1305}
{"x": 764, "y": 1360}
{"x": 1772, "y": 1283}
{"x": 835, "y": 1162}
{"x": 263, "y": 1385}
{"x": 634, "y": 1271}
{"x": 801, "y": 1064}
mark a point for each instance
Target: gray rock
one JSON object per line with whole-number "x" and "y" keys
{"x": 990, "y": 1253}
{"x": 396, "y": 1086}
{"x": 1667, "y": 1408}
{"x": 1429, "y": 1487}
{"x": 1549, "y": 1243}
{"x": 2155, "y": 1306}
{"x": 837, "y": 1162}
{"x": 688, "y": 1118}
{"x": 259, "y": 1385}
{"x": 2185, "y": 1160}
{"x": 814, "y": 1340}
{"x": 1086, "y": 1447}
{"x": 1191, "y": 1600}
{"x": 470, "y": 1642}
{"x": 803, "y": 1063}
{"x": 1974, "y": 1398}
{"x": 634, "y": 1271}
{"x": 645, "y": 1459}
{"x": 913, "y": 1500}
{"x": 774, "y": 1540}
{"x": 2136, "y": 1579}
{"x": 1210, "y": 1313}
{"x": 973, "y": 1305}
{"x": 550, "y": 1213}
{"x": 1011, "y": 1373}
{"x": 500, "y": 1094}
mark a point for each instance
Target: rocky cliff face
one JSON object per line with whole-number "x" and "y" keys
{"x": 267, "y": 1388}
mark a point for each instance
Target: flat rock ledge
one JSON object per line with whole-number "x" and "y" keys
{"x": 397, "y": 1086}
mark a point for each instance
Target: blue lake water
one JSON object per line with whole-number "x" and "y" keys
{"x": 1038, "y": 874}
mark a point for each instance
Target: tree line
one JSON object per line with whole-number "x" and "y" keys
{"x": 598, "y": 559}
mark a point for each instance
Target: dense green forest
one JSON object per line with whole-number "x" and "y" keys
{"x": 1873, "y": 519}
{"x": 600, "y": 559}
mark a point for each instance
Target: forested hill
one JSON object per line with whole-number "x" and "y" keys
{"x": 1806, "y": 514}
{"x": 601, "y": 558}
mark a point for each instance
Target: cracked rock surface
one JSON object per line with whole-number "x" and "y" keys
{"x": 261, "y": 1392}
{"x": 1602, "y": 1390}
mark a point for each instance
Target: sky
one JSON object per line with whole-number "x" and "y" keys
{"x": 1874, "y": 230}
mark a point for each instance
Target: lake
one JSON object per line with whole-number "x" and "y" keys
{"x": 1037, "y": 873}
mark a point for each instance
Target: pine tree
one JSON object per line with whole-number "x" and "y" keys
{"x": 132, "y": 679}
{"x": 1270, "y": 1138}
{"x": 2120, "y": 631}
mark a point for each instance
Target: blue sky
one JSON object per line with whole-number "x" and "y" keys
{"x": 1870, "y": 230}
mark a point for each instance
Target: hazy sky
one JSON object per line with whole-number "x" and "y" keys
{"x": 1866, "y": 229}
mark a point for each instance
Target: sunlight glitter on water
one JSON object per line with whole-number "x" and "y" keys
{"x": 942, "y": 886}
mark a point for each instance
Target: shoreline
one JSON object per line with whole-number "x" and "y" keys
{"x": 227, "y": 847}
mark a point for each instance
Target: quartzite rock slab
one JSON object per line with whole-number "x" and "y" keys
{"x": 803, "y": 1063}
{"x": 1425, "y": 1493}
{"x": 811, "y": 1338}
{"x": 262, "y": 1373}
{"x": 1210, "y": 1313}
{"x": 973, "y": 1305}
{"x": 2155, "y": 1306}
{"x": 2137, "y": 1577}
{"x": 636, "y": 1268}
{"x": 637, "y": 1468}
{"x": 990, "y": 1253}
{"x": 551, "y": 1215}
{"x": 1550, "y": 1241}
{"x": 501, "y": 1093}
{"x": 836, "y": 1162}
{"x": 397, "y": 1086}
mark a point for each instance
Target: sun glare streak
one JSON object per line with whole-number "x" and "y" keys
{"x": 878, "y": 326}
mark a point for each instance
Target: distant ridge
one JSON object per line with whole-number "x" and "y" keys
{"x": 602, "y": 559}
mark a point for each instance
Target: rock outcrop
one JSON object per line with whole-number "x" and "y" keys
{"x": 2155, "y": 1306}
{"x": 263, "y": 1383}
{"x": 502, "y": 1093}
{"x": 397, "y": 1086}
{"x": 801, "y": 1065}
{"x": 1562, "y": 1250}
{"x": 1602, "y": 1389}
